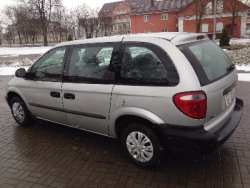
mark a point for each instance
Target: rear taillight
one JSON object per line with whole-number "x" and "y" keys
{"x": 192, "y": 104}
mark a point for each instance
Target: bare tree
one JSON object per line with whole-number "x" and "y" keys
{"x": 9, "y": 35}
{"x": 79, "y": 13}
{"x": 106, "y": 23}
{"x": 42, "y": 10}
{"x": 235, "y": 7}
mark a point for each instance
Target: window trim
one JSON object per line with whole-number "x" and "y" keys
{"x": 146, "y": 18}
{"x": 166, "y": 16}
{"x": 30, "y": 77}
{"x": 207, "y": 28}
{"x": 66, "y": 79}
{"x": 220, "y": 6}
{"x": 216, "y": 27}
{"x": 209, "y": 8}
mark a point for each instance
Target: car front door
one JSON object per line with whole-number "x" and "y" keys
{"x": 43, "y": 88}
{"x": 87, "y": 86}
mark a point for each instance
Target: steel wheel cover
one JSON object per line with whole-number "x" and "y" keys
{"x": 18, "y": 112}
{"x": 139, "y": 146}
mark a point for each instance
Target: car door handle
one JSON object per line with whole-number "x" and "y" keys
{"x": 55, "y": 94}
{"x": 69, "y": 96}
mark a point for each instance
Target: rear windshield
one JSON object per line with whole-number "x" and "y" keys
{"x": 209, "y": 61}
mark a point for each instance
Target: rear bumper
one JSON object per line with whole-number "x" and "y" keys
{"x": 198, "y": 140}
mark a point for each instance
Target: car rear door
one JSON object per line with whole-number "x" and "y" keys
{"x": 88, "y": 85}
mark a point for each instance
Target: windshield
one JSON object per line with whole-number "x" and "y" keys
{"x": 209, "y": 61}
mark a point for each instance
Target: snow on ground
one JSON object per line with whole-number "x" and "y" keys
{"x": 9, "y": 70}
{"x": 6, "y": 52}
{"x": 245, "y": 68}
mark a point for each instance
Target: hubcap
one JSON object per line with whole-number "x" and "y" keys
{"x": 139, "y": 146}
{"x": 18, "y": 112}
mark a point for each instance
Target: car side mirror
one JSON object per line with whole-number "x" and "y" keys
{"x": 20, "y": 73}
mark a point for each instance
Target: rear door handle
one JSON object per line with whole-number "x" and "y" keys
{"x": 55, "y": 94}
{"x": 69, "y": 96}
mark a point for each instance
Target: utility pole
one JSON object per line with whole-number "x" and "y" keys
{"x": 215, "y": 14}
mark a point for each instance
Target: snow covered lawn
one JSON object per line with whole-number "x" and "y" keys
{"x": 6, "y": 52}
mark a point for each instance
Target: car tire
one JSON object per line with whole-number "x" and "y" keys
{"x": 142, "y": 145}
{"x": 20, "y": 112}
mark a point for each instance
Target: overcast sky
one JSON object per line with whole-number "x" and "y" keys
{"x": 71, "y": 3}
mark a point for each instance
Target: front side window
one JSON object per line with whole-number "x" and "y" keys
{"x": 164, "y": 16}
{"x": 49, "y": 66}
{"x": 146, "y": 18}
{"x": 146, "y": 64}
{"x": 90, "y": 64}
{"x": 209, "y": 61}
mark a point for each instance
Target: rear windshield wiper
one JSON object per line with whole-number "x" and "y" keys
{"x": 231, "y": 67}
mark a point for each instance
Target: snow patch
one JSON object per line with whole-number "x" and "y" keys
{"x": 244, "y": 77}
{"x": 9, "y": 70}
{"x": 23, "y": 51}
{"x": 245, "y": 68}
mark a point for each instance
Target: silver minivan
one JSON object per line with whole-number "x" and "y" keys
{"x": 154, "y": 92}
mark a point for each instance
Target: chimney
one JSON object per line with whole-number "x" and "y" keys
{"x": 152, "y": 3}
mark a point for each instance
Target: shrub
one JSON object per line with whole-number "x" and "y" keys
{"x": 224, "y": 39}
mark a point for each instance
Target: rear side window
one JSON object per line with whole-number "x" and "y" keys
{"x": 209, "y": 61}
{"x": 146, "y": 64}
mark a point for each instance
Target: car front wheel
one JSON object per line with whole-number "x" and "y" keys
{"x": 142, "y": 145}
{"x": 20, "y": 111}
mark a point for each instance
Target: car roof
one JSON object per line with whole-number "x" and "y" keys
{"x": 174, "y": 37}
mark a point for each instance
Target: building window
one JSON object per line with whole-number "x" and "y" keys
{"x": 147, "y": 31}
{"x": 209, "y": 8}
{"x": 205, "y": 28}
{"x": 219, "y": 26}
{"x": 164, "y": 16}
{"x": 220, "y": 6}
{"x": 164, "y": 30}
{"x": 146, "y": 18}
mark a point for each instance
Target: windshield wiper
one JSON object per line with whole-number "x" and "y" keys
{"x": 231, "y": 67}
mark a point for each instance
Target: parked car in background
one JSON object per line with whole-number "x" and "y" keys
{"x": 152, "y": 91}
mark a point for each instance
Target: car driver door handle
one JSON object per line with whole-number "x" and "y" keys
{"x": 55, "y": 94}
{"x": 69, "y": 96}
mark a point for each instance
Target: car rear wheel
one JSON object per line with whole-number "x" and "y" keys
{"x": 142, "y": 145}
{"x": 20, "y": 111}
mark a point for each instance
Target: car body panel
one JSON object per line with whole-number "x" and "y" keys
{"x": 92, "y": 99}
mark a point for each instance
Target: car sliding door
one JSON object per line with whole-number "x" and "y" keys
{"x": 87, "y": 87}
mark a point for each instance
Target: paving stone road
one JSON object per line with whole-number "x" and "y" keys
{"x": 50, "y": 155}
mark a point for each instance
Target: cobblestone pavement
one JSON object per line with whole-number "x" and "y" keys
{"x": 50, "y": 155}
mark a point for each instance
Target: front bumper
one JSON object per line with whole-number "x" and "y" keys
{"x": 198, "y": 140}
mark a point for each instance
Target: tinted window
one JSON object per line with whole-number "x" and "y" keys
{"x": 90, "y": 63}
{"x": 146, "y": 64}
{"x": 49, "y": 66}
{"x": 209, "y": 61}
